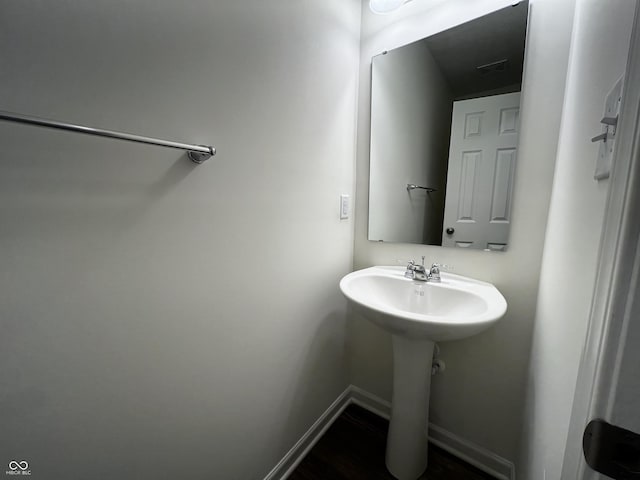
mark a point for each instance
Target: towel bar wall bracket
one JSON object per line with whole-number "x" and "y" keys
{"x": 200, "y": 157}
{"x": 196, "y": 153}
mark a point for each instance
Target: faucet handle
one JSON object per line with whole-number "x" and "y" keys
{"x": 411, "y": 267}
{"x": 434, "y": 272}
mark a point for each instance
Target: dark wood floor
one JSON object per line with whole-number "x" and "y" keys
{"x": 353, "y": 449}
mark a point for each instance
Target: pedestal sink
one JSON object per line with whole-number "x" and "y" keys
{"x": 418, "y": 314}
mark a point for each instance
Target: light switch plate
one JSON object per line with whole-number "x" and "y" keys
{"x": 605, "y": 152}
{"x": 344, "y": 207}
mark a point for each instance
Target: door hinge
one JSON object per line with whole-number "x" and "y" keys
{"x": 611, "y": 450}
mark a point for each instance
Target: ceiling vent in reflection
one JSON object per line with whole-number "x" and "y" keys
{"x": 494, "y": 67}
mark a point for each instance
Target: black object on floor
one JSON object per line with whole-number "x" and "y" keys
{"x": 353, "y": 448}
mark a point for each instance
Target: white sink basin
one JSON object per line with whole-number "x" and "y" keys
{"x": 417, "y": 314}
{"x": 456, "y": 308}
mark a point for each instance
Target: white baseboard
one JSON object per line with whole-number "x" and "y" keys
{"x": 371, "y": 402}
{"x": 294, "y": 456}
{"x": 474, "y": 454}
{"x": 471, "y": 453}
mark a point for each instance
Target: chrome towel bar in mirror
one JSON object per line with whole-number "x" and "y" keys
{"x": 411, "y": 186}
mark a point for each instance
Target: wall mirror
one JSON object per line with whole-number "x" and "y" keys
{"x": 444, "y": 134}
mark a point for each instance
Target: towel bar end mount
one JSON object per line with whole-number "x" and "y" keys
{"x": 201, "y": 157}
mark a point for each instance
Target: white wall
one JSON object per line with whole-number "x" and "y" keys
{"x": 480, "y": 397}
{"x": 409, "y": 144}
{"x": 160, "y": 319}
{"x": 598, "y": 58}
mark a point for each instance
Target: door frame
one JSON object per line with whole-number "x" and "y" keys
{"x": 612, "y": 307}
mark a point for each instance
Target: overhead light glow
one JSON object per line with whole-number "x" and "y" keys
{"x": 385, "y": 6}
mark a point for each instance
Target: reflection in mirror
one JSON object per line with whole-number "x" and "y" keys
{"x": 444, "y": 134}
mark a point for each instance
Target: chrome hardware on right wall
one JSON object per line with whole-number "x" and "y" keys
{"x": 609, "y": 122}
{"x": 608, "y": 136}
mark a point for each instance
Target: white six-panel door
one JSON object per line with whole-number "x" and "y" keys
{"x": 482, "y": 161}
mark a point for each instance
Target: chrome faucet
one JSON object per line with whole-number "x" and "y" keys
{"x": 416, "y": 272}
{"x": 419, "y": 272}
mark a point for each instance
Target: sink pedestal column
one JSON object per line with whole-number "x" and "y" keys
{"x": 406, "y": 456}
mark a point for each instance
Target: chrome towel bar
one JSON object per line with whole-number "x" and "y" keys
{"x": 197, "y": 153}
{"x": 411, "y": 186}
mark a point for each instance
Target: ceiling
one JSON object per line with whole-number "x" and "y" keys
{"x": 487, "y": 40}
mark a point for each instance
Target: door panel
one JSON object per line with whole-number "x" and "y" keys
{"x": 502, "y": 183}
{"x": 471, "y": 164}
{"x": 482, "y": 160}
